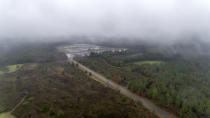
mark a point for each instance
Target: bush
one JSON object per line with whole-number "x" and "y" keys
{"x": 60, "y": 114}
{"x": 124, "y": 98}
{"x": 25, "y": 103}
{"x": 52, "y": 112}
{"x": 31, "y": 99}
{"x": 45, "y": 107}
{"x": 92, "y": 85}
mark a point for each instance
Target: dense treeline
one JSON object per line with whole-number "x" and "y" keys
{"x": 126, "y": 57}
{"x": 27, "y": 53}
{"x": 180, "y": 85}
{"x": 177, "y": 84}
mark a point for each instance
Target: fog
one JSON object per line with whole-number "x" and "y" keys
{"x": 156, "y": 20}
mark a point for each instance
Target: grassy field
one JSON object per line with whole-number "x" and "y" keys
{"x": 134, "y": 55}
{"x": 13, "y": 68}
{"x": 148, "y": 62}
{"x": 10, "y": 68}
{"x": 6, "y": 115}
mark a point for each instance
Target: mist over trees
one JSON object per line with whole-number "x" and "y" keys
{"x": 150, "y": 20}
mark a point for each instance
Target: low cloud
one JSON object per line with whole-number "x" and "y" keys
{"x": 144, "y": 19}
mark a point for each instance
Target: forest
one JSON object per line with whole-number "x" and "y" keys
{"x": 178, "y": 84}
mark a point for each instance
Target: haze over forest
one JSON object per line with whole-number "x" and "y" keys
{"x": 104, "y": 58}
{"x": 156, "y": 20}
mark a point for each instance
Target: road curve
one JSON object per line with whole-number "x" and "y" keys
{"x": 158, "y": 111}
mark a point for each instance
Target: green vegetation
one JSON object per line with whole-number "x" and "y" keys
{"x": 175, "y": 83}
{"x": 148, "y": 62}
{"x": 1, "y": 72}
{"x": 55, "y": 88}
{"x": 6, "y": 115}
{"x": 31, "y": 53}
{"x": 14, "y": 68}
{"x": 10, "y": 69}
{"x": 61, "y": 114}
{"x": 52, "y": 94}
{"x": 9, "y": 85}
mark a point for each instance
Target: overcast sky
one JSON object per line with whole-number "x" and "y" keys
{"x": 135, "y": 18}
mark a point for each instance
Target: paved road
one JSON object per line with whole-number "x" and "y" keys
{"x": 160, "y": 112}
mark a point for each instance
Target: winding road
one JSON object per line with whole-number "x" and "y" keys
{"x": 149, "y": 105}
